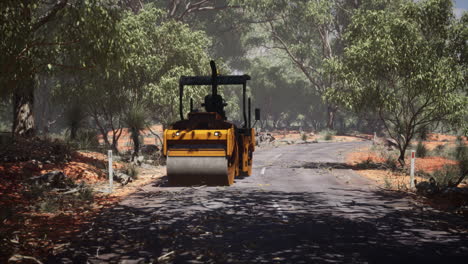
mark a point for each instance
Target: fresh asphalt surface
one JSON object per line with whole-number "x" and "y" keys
{"x": 301, "y": 205}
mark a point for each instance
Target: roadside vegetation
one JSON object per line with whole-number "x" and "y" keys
{"x": 81, "y": 77}
{"x": 440, "y": 171}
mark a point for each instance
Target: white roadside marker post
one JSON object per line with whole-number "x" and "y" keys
{"x": 413, "y": 158}
{"x": 111, "y": 171}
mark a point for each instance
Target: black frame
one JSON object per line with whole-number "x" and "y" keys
{"x": 214, "y": 81}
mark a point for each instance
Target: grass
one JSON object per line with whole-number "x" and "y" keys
{"x": 387, "y": 183}
{"x": 86, "y": 195}
{"x": 85, "y": 140}
{"x": 49, "y": 204}
{"x": 328, "y": 135}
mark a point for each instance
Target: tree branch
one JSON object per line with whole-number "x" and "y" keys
{"x": 49, "y": 15}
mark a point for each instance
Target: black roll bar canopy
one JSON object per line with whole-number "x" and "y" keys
{"x": 214, "y": 81}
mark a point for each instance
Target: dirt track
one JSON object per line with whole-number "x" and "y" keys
{"x": 293, "y": 209}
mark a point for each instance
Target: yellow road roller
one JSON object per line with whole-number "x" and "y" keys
{"x": 205, "y": 148}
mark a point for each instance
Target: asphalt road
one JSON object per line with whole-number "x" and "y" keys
{"x": 301, "y": 205}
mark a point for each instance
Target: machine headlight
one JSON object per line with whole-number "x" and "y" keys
{"x": 177, "y": 133}
{"x": 217, "y": 133}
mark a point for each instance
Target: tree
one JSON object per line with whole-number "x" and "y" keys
{"x": 21, "y": 23}
{"x": 136, "y": 121}
{"x": 279, "y": 91}
{"x": 309, "y": 33}
{"x": 40, "y": 36}
{"x": 399, "y": 65}
{"x": 145, "y": 54}
{"x": 458, "y": 44}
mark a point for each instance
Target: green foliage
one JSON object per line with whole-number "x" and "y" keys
{"x": 447, "y": 176}
{"x": 328, "y": 134}
{"x": 400, "y": 65}
{"x": 304, "y": 136}
{"x": 135, "y": 118}
{"x": 421, "y": 150}
{"x": 281, "y": 93}
{"x": 86, "y": 140}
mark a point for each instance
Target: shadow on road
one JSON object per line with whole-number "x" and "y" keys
{"x": 217, "y": 225}
{"x": 340, "y": 165}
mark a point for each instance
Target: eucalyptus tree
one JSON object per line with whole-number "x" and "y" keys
{"x": 41, "y": 36}
{"x": 23, "y": 26}
{"x": 138, "y": 80}
{"x": 308, "y": 32}
{"x": 400, "y": 64}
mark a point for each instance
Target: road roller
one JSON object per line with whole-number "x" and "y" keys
{"x": 205, "y": 148}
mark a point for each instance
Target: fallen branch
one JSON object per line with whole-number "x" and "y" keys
{"x": 21, "y": 258}
{"x": 165, "y": 256}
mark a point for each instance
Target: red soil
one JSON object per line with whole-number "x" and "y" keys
{"x": 125, "y": 142}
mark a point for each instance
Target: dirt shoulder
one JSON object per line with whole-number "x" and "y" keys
{"x": 432, "y": 172}
{"x": 39, "y": 218}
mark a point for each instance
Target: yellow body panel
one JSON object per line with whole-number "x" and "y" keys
{"x": 196, "y": 134}
{"x": 181, "y": 137}
{"x": 196, "y": 153}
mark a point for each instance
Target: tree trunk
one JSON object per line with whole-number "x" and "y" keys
{"x": 331, "y": 111}
{"x": 136, "y": 143}
{"x": 23, "y": 106}
{"x": 401, "y": 158}
{"x": 73, "y": 131}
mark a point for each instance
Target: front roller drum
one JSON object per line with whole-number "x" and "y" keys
{"x": 183, "y": 171}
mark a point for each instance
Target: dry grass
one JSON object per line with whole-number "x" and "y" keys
{"x": 398, "y": 178}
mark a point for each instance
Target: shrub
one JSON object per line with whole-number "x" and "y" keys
{"x": 328, "y": 134}
{"x": 86, "y": 194}
{"x": 132, "y": 171}
{"x": 304, "y": 136}
{"x": 49, "y": 204}
{"x": 391, "y": 161}
{"x": 421, "y": 150}
{"x": 447, "y": 176}
{"x": 85, "y": 140}
{"x": 439, "y": 150}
